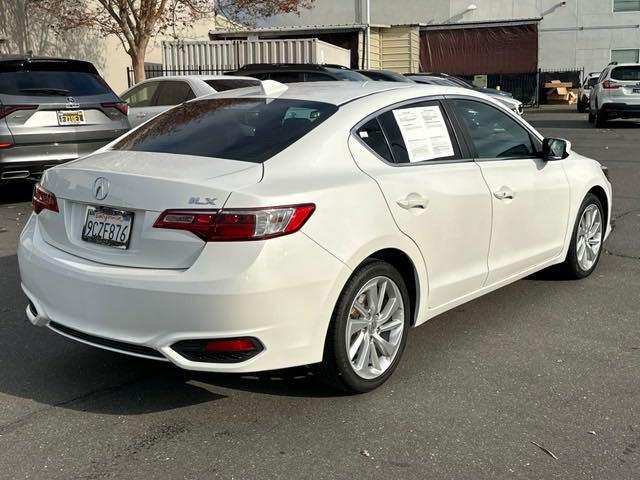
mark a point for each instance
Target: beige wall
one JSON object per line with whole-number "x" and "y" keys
{"x": 24, "y": 31}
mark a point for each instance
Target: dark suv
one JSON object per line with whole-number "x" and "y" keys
{"x": 53, "y": 110}
{"x": 299, "y": 72}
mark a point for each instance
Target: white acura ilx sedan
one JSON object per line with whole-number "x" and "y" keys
{"x": 313, "y": 224}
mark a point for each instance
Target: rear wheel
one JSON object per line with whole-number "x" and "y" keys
{"x": 582, "y": 106}
{"x": 368, "y": 329}
{"x": 601, "y": 119}
{"x": 586, "y": 241}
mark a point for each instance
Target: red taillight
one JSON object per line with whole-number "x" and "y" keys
{"x": 237, "y": 224}
{"x": 7, "y": 109}
{"x": 610, "y": 85}
{"x": 43, "y": 199}
{"x": 5, "y": 145}
{"x": 231, "y": 345}
{"x": 123, "y": 107}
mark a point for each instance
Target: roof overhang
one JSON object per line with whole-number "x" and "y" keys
{"x": 279, "y": 31}
{"x": 483, "y": 24}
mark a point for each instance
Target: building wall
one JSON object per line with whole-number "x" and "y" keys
{"x": 24, "y": 30}
{"x": 580, "y": 34}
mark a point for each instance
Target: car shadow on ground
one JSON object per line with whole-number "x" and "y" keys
{"x": 15, "y": 192}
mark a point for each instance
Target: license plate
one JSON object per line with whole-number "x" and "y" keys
{"x": 71, "y": 117}
{"x": 107, "y": 226}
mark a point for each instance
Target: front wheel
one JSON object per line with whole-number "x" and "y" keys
{"x": 368, "y": 329}
{"x": 586, "y": 241}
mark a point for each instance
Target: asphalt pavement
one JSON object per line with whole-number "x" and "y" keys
{"x": 542, "y": 361}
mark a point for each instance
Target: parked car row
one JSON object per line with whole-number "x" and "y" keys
{"x": 54, "y": 110}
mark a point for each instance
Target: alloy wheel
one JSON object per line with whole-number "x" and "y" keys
{"x": 589, "y": 240}
{"x": 375, "y": 327}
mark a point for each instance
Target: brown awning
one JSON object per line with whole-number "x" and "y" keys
{"x": 480, "y": 50}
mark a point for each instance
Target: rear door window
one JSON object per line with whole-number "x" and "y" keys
{"x": 247, "y": 129}
{"x": 372, "y": 135}
{"x": 173, "y": 92}
{"x": 628, "y": 74}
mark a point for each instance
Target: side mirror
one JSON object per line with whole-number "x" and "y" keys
{"x": 555, "y": 149}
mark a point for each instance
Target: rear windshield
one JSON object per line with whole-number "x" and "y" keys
{"x": 247, "y": 129}
{"x": 222, "y": 85}
{"x": 51, "y": 78}
{"x": 348, "y": 75}
{"x": 626, "y": 73}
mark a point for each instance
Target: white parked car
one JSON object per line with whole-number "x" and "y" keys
{"x": 584, "y": 93}
{"x": 155, "y": 95}
{"x": 311, "y": 225}
{"x": 616, "y": 94}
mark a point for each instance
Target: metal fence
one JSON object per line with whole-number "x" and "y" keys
{"x": 160, "y": 71}
{"x": 529, "y": 87}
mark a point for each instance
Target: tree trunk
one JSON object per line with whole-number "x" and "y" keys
{"x": 137, "y": 61}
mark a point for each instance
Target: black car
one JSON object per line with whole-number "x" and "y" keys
{"x": 299, "y": 72}
{"x": 385, "y": 76}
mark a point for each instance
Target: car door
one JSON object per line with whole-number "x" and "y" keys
{"x": 436, "y": 197}
{"x": 140, "y": 100}
{"x": 530, "y": 196}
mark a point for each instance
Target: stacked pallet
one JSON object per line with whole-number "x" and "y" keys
{"x": 561, "y": 93}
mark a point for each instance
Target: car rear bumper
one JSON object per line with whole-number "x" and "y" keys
{"x": 621, "y": 109}
{"x": 30, "y": 160}
{"x": 281, "y": 292}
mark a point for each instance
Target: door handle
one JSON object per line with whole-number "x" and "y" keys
{"x": 505, "y": 194}
{"x": 141, "y": 115}
{"x": 413, "y": 201}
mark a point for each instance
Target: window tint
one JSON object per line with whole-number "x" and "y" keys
{"x": 173, "y": 92}
{"x": 631, "y": 74}
{"x": 419, "y": 132}
{"x": 626, "y": 5}
{"x": 247, "y": 129}
{"x": 625, "y": 55}
{"x": 371, "y": 134}
{"x": 494, "y": 134}
{"x": 348, "y": 75}
{"x": 142, "y": 95}
{"x": 222, "y": 85}
{"x": 50, "y": 80}
{"x": 286, "y": 77}
{"x": 592, "y": 82}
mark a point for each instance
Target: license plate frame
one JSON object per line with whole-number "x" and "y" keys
{"x": 71, "y": 117}
{"x": 99, "y": 232}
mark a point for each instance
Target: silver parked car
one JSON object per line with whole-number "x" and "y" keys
{"x": 155, "y": 95}
{"x": 53, "y": 110}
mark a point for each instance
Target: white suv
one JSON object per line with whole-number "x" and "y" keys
{"x": 616, "y": 95}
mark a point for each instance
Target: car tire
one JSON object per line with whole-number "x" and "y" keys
{"x": 600, "y": 119}
{"x": 575, "y": 266}
{"x": 592, "y": 117}
{"x": 339, "y": 369}
{"x": 582, "y": 106}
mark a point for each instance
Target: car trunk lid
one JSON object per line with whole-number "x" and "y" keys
{"x": 143, "y": 184}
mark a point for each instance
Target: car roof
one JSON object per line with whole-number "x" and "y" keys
{"x": 271, "y": 67}
{"x": 198, "y": 77}
{"x": 336, "y": 93}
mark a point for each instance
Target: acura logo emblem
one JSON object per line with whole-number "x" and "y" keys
{"x": 101, "y": 188}
{"x": 71, "y": 100}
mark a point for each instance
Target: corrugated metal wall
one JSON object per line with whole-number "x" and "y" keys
{"x": 400, "y": 49}
{"x": 232, "y": 54}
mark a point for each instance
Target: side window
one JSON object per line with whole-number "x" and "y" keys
{"x": 493, "y": 133}
{"x": 371, "y": 134}
{"x": 142, "y": 95}
{"x": 419, "y": 132}
{"x": 173, "y": 92}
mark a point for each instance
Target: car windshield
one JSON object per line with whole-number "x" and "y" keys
{"x": 631, "y": 74}
{"x": 461, "y": 83}
{"x": 247, "y": 129}
{"x": 348, "y": 75}
{"x": 51, "y": 79}
{"x": 592, "y": 82}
